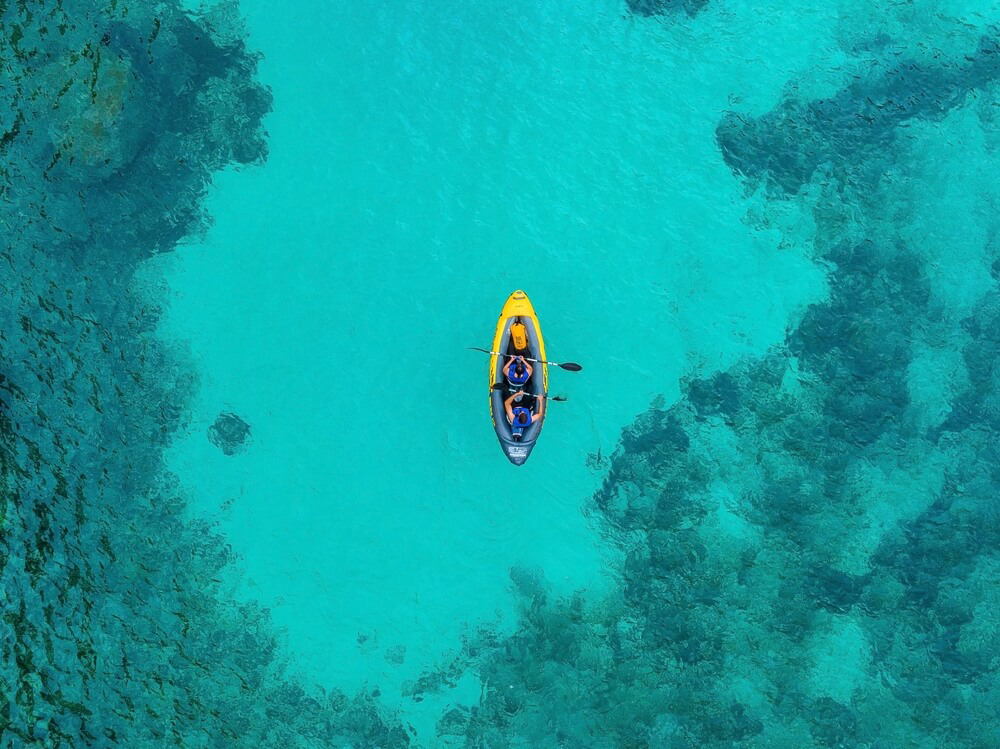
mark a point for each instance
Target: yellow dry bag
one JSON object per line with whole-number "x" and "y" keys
{"x": 519, "y": 335}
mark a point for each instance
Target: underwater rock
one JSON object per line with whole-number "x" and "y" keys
{"x": 852, "y": 131}
{"x": 859, "y": 345}
{"x": 668, "y": 430}
{"x": 115, "y": 632}
{"x": 791, "y": 489}
{"x": 454, "y": 722}
{"x": 530, "y": 584}
{"x": 396, "y": 655}
{"x": 834, "y": 724}
{"x": 733, "y": 508}
{"x": 229, "y": 433}
{"x": 446, "y": 677}
{"x": 140, "y": 107}
{"x": 718, "y": 395}
{"x": 835, "y": 590}
{"x": 663, "y": 7}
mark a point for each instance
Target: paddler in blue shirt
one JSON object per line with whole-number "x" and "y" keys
{"x": 518, "y": 371}
{"x": 521, "y": 418}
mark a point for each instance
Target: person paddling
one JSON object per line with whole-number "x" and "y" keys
{"x": 518, "y": 371}
{"x": 521, "y": 418}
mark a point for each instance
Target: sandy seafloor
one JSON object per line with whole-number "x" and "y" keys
{"x": 251, "y": 495}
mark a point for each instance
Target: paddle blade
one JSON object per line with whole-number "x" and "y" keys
{"x": 570, "y": 366}
{"x": 559, "y": 398}
{"x": 475, "y": 348}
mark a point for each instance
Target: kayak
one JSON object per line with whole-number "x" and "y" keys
{"x": 517, "y": 310}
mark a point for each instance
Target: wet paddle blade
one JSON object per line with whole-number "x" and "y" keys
{"x": 570, "y": 366}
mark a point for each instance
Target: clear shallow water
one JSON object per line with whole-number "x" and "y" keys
{"x": 768, "y": 235}
{"x": 420, "y": 169}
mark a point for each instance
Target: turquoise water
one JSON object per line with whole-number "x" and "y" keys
{"x": 420, "y": 170}
{"x": 251, "y": 493}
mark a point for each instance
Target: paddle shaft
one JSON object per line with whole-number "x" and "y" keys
{"x": 557, "y": 398}
{"x": 568, "y": 366}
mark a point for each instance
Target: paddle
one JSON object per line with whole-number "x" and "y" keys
{"x": 567, "y": 365}
{"x": 560, "y": 398}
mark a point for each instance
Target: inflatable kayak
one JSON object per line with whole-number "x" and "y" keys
{"x": 518, "y": 333}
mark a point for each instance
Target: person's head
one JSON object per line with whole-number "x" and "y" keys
{"x": 522, "y": 418}
{"x": 519, "y": 367}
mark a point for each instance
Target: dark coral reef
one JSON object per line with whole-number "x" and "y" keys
{"x": 665, "y": 7}
{"x": 810, "y": 547}
{"x": 229, "y": 433}
{"x": 116, "y": 629}
{"x": 810, "y": 551}
{"x": 839, "y": 135}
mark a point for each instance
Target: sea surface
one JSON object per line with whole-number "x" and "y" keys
{"x": 250, "y": 493}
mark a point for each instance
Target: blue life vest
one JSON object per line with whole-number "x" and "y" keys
{"x": 518, "y": 429}
{"x": 514, "y": 378}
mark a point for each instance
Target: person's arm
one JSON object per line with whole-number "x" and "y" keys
{"x": 528, "y": 367}
{"x": 541, "y": 407}
{"x": 506, "y": 367}
{"x": 507, "y": 407}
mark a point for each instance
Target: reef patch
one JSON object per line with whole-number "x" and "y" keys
{"x": 117, "y": 629}
{"x": 229, "y": 433}
{"x": 663, "y": 7}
